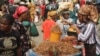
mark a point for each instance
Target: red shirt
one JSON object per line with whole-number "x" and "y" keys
{"x": 46, "y": 27}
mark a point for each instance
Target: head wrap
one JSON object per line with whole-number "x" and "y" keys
{"x": 90, "y": 11}
{"x": 20, "y": 10}
{"x": 52, "y": 13}
{"x": 65, "y": 12}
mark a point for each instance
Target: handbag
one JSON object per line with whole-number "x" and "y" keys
{"x": 26, "y": 23}
{"x": 33, "y": 30}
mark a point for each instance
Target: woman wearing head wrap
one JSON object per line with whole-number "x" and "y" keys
{"x": 48, "y": 24}
{"x": 88, "y": 33}
{"x": 21, "y": 10}
{"x": 63, "y": 23}
{"x": 22, "y": 16}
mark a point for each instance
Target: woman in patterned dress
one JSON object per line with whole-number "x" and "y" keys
{"x": 21, "y": 14}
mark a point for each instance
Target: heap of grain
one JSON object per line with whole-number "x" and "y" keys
{"x": 70, "y": 39}
{"x": 64, "y": 47}
{"x": 43, "y": 48}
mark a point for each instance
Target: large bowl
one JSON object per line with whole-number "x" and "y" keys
{"x": 71, "y": 33}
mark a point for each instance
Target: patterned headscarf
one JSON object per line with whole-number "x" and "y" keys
{"x": 20, "y": 10}
{"x": 90, "y": 11}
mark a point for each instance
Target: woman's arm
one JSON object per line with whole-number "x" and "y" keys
{"x": 87, "y": 33}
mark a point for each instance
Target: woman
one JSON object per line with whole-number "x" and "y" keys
{"x": 43, "y": 7}
{"x": 22, "y": 16}
{"x": 9, "y": 38}
{"x": 88, "y": 33}
{"x": 48, "y": 24}
{"x": 65, "y": 26}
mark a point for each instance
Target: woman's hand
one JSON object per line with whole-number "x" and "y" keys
{"x": 64, "y": 22}
{"x": 76, "y": 28}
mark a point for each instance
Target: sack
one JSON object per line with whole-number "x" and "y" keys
{"x": 33, "y": 30}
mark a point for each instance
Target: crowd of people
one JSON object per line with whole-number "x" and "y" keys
{"x": 15, "y": 19}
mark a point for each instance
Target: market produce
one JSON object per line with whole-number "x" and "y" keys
{"x": 56, "y": 48}
{"x": 70, "y": 39}
{"x": 71, "y": 29}
{"x": 43, "y": 48}
{"x": 65, "y": 48}
{"x": 56, "y": 29}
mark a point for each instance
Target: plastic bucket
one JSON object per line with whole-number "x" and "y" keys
{"x": 54, "y": 37}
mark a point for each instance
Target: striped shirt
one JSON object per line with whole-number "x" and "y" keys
{"x": 87, "y": 35}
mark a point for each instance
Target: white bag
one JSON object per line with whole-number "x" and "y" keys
{"x": 30, "y": 53}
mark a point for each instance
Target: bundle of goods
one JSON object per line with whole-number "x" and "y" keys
{"x": 65, "y": 5}
{"x": 55, "y": 33}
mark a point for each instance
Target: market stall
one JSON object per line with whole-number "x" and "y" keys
{"x": 68, "y": 46}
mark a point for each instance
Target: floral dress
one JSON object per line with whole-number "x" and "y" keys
{"x": 24, "y": 39}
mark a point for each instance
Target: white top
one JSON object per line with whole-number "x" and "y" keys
{"x": 64, "y": 28}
